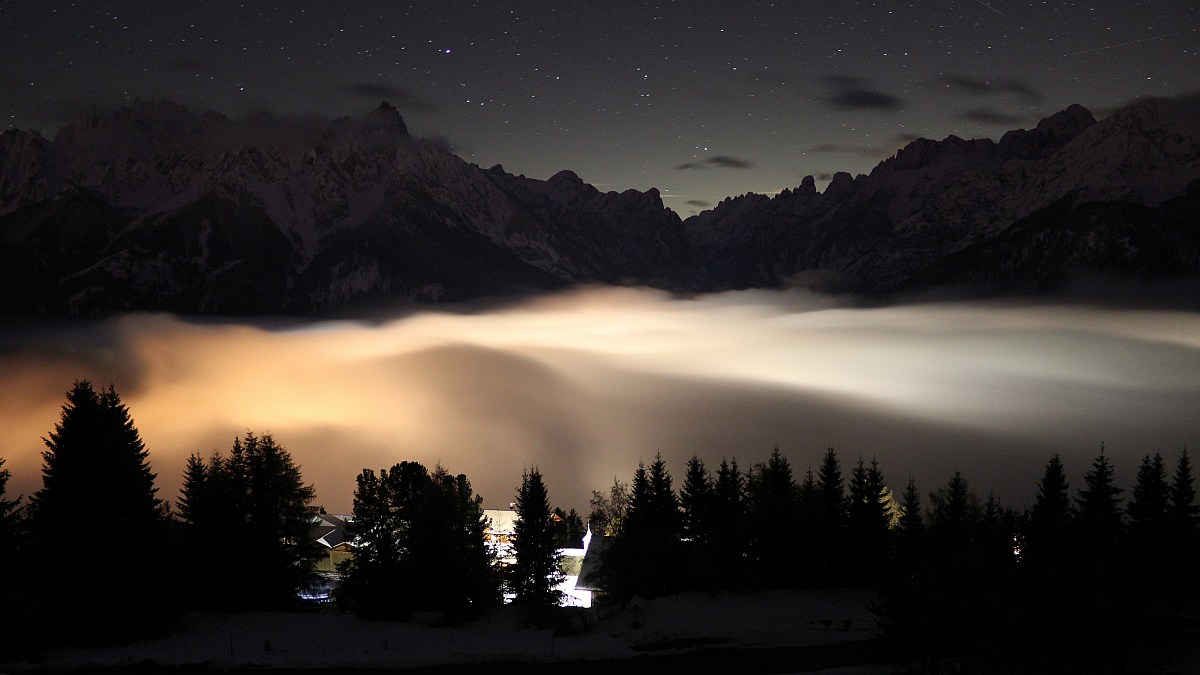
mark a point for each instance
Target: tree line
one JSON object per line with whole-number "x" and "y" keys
{"x": 95, "y": 556}
{"x": 1073, "y": 577}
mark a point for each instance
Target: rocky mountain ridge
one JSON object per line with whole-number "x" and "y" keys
{"x": 892, "y": 228}
{"x": 153, "y": 207}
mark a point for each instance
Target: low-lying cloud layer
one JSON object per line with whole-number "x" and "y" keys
{"x": 588, "y": 383}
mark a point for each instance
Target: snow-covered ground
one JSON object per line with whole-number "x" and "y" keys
{"x": 766, "y": 619}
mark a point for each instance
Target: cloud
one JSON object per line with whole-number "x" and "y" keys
{"x": 867, "y": 151}
{"x": 698, "y": 202}
{"x": 718, "y": 162}
{"x": 1189, "y": 100}
{"x": 442, "y": 141}
{"x": 855, "y": 93}
{"x": 403, "y": 99}
{"x": 990, "y": 116}
{"x": 973, "y": 86}
{"x": 544, "y": 382}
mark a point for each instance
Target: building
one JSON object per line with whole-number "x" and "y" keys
{"x": 502, "y": 525}
{"x": 329, "y": 531}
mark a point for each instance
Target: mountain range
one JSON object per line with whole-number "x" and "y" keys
{"x": 154, "y": 207}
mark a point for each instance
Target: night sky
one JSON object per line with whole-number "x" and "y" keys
{"x": 699, "y": 99}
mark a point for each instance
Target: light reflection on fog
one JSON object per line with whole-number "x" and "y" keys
{"x": 585, "y": 384}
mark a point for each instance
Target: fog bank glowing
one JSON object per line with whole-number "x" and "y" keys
{"x": 586, "y": 384}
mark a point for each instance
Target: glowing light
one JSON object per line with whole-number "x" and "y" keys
{"x": 585, "y": 384}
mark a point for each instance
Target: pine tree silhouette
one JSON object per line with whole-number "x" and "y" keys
{"x": 1149, "y": 508}
{"x": 774, "y": 515}
{"x": 254, "y": 506}
{"x": 831, "y": 539}
{"x": 1098, "y": 507}
{"x": 380, "y": 581}
{"x": 729, "y": 529}
{"x": 697, "y": 501}
{"x": 15, "y": 603}
{"x": 696, "y": 497}
{"x": 869, "y": 516}
{"x": 536, "y": 574}
{"x": 1184, "y": 537}
{"x": 1185, "y": 512}
{"x": 98, "y": 491}
{"x": 452, "y": 569}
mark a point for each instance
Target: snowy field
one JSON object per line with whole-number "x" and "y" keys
{"x": 669, "y": 625}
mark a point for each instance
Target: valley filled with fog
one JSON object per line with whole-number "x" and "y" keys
{"x": 587, "y": 383}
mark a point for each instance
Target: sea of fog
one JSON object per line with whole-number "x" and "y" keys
{"x": 586, "y": 384}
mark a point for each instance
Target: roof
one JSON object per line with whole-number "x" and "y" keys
{"x": 330, "y": 530}
{"x": 503, "y": 521}
{"x": 570, "y": 565}
{"x": 591, "y": 572}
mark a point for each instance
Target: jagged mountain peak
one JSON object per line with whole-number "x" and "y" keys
{"x": 1066, "y": 124}
{"x": 935, "y": 199}
{"x": 386, "y": 117}
{"x": 566, "y": 177}
{"x": 155, "y": 207}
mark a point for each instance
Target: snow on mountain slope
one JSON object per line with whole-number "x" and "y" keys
{"x": 155, "y": 207}
{"x": 938, "y": 198}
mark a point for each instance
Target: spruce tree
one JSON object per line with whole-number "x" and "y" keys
{"x": 1046, "y": 541}
{"x": 97, "y": 496}
{"x": 696, "y": 500}
{"x": 371, "y": 580}
{"x": 664, "y": 501}
{"x": 907, "y": 609}
{"x": 810, "y": 499}
{"x": 832, "y": 540}
{"x": 458, "y": 573}
{"x": 1098, "y": 507}
{"x": 386, "y": 577}
{"x": 568, "y": 528}
{"x": 202, "y": 505}
{"x": 953, "y": 515}
{"x": 1052, "y": 507}
{"x": 278, "y": 511}
{"x": 833, "y": 493}
{"x": 9, "y": 532}
{"x": 959, "y": 561}
{"x": 883, "y": 510}
{"x": 808, "y": 527}
{"x": 729, "y": 535}
{"x": 774, "y": 503}
{"x": 869, "y": 516}
{"x": 14, "y": 600}
{"x": 254, "y": 502}
{"x": 1184, "y": 537}
{"x": 1185, "y": 512}
{"x": 1149, "y": 546}
{"x": 858, "y": 504}
{"x": 1098, "y": 554}
{"x": 912, "y": 522}
{"x": 638, "y": 513}
{"x": 643, "y": 560}
{"x": 536, "y": 575}
{"x": 1149, "y": 509}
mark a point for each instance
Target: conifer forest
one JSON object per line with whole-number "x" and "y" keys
{"x": 97, "y": 556}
